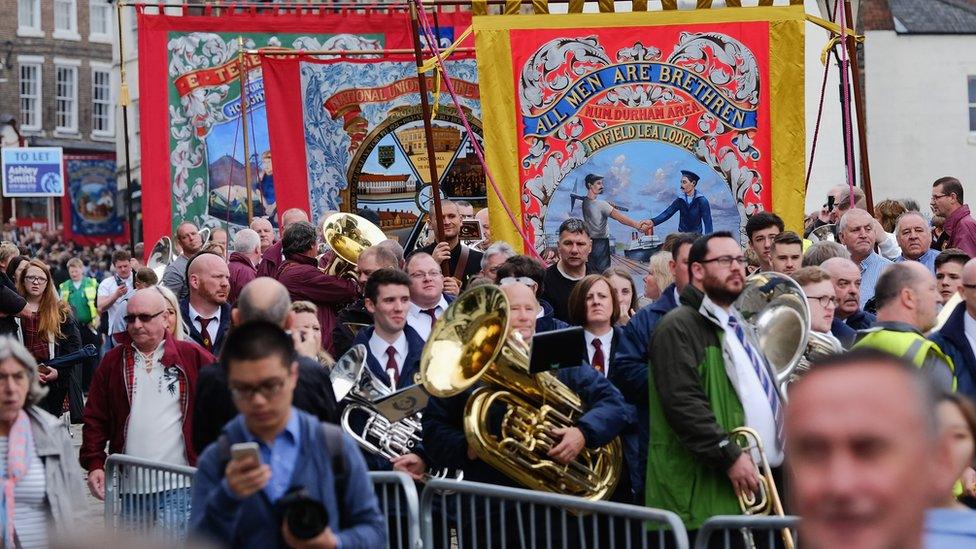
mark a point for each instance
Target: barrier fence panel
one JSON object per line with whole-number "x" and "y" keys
{"x": 398, "y": 499}
{"x": 461, "y": 514}
{"x": 728, "y": 530}
{"x": 147, "y": 498}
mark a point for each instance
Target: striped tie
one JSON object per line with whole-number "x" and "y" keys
{"x": 759, "y": 365}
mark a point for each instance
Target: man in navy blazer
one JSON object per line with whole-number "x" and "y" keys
{"x": 954, "y": 336}
{"x": 205, "y": 310}
{"x": 694, "y": 212}
{"x": 393, "y": 351}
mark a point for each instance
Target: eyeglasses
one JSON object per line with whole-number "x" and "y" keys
{"x": 938, "y": 196}
{"x": 420, "y": 275}
{"x": 824, "y": 300}
{"x": 726, "y": 260}
{"x": 141, "y": 317}
{"x": 518, "y": 279}
{"x": 35, "y": 279}
{"x": 268, "y": 389}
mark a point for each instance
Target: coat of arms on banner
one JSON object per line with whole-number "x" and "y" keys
{"x": 366, "y": 146}
{"x": 675, "y": 120}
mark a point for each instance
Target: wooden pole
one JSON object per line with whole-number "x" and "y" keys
{"x": 247, "y": 153}
{"x": 435, "y": 186}
{"x": 862, "y": 132}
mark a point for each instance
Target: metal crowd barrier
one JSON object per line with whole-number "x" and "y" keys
{"x": 398, "y": 499}
{"x": 730, "y": 529}
{"x": 147, "y": 498}
{"x": 460, "y": 514}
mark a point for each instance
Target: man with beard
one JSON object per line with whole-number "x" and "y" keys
{"x": 915, "y": 240}
{"x": 596, "y": 212}
{"x": 206, "y": 311}
{"x": 694, "y": 468}
{"x": 174, "y": 277}
{"x": 907, "y": 308}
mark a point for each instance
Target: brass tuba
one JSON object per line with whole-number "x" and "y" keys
{"x": 348, "y": 235}
{"x": 777, "y": 315}
{"x": 472, "y": 342}
{"x": 818, "y": 346}
{"x": 767, "y": 500}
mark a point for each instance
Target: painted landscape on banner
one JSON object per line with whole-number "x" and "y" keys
{"x": 643, "y": 109}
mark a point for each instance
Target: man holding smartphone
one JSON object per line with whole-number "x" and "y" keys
{"x": 240, "y": 501}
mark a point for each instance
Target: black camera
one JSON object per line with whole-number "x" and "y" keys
{"x": 306, "y": 517}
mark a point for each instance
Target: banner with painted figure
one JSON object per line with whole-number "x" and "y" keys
{"x": 352, "y": 133}
{"x": 661, "y": 121}
{"x": 192, "y": 135}
{"x": 92, "y": 199}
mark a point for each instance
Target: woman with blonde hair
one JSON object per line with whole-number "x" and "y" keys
{"x": 48, "y": 330}
{"x": 658, "y": 277}
{"x": 176, "y": 327}
{"x": 306, "y": 323}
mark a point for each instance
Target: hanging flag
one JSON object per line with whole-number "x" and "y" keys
{"x": 350, "y": 135}
{"x": 92, "y": 200}
{"x": 693, "y": 119}
{"x": 193, "y": 164}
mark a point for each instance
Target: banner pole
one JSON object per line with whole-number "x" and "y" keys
{"x": 862, "y": 138}
{"x": 247, "y": 154}
{"x": 124, "y": 103}
{"x": 435, "y": 186}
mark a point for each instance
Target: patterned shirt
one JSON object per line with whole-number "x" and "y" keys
{"x": 38, "y": 346}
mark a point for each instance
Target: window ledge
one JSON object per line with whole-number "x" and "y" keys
{"x": 109, "y": 137}
{"x": 30, "y": 32}
{"x": 100, "y": 38}
{"x": 972, "y": 138}
{"x": 66, "y": 133}
{"x": 61, "y": 34}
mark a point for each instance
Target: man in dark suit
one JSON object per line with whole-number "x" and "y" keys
{"x": 205, "y": 310}
{"x": 393, "y": 351}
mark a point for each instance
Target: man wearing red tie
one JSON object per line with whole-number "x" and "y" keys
{"x": 393, "y": 350}
{"x": 205, "y": 310}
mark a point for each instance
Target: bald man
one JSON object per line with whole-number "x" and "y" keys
{"x": 271, "y": 257}
{"x": 206, "y": 312}
{"x": 482, "y": 216}
{"x": 957, "y": 337}
{"x": 137, "y": 404}
{"x": 865, "y": 453}
{"x": 907, "y": 308}
{"x": 263, "y": 299}
{"x": 845, "y": 275}
{"x": 605, "y": 416}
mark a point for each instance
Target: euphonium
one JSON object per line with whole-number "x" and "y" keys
{"x": 472, "y": 342}
{"x": 161, "y": 255}
{"x": 777, "y": 315}
{"x": 356, "y": 386}
{"x": 348, "y": 235}
{"x": 818, "y": 346}
{"x": 767, "y": 501}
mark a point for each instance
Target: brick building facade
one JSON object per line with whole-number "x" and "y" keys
{"x": 57, "y": 80}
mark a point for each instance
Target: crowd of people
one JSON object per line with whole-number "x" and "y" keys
{"x": 223, "y": 362}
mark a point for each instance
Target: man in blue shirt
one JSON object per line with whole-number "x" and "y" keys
{"x": 915, "y": 240}
{"x": 236, "y": 502}
{"x": 694, "y": 213}
{"x": 856, "y": 232}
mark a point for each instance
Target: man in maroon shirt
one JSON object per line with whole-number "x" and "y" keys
{"x": 301, "y": 275}
{"x": 272, "y": 257}
{"x": 947, "y": 201}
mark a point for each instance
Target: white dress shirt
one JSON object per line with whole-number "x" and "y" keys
{"x": 969, "y": 325}
{"x": 606, "y": 340}
{"x": 745, "y": 381}
{"x": 420, "y": 321}
{"x": 378, "y": 347}
{"x": 211, "y": 328}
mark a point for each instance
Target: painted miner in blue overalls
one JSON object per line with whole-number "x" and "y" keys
{"x": 694, "y": 213}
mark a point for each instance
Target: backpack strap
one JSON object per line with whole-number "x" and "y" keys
{"x": 332, "y": 437}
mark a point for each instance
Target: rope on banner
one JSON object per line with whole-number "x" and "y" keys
{"x": 433, "y": 65}
{"x": 432, "y": 42}
{"x": 846, "y": 101}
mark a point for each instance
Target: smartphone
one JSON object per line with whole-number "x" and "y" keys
{"x": 830, "y": 203}
{"x": 118, "y": 281}
{"x": 242, "y": 450}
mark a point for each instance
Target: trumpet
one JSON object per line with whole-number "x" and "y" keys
{"x": 767, "y": 500}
